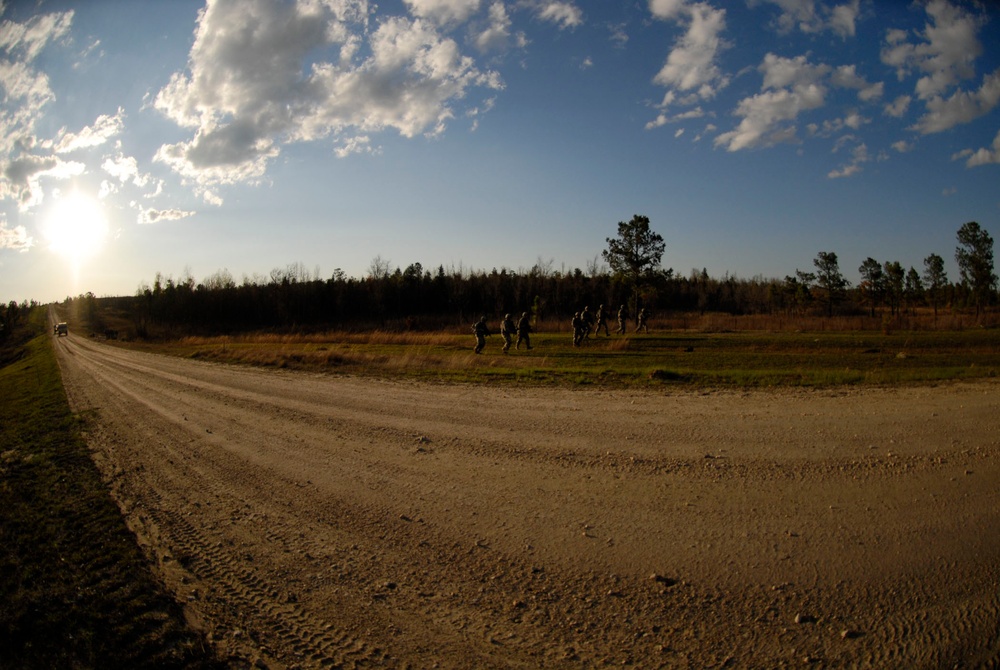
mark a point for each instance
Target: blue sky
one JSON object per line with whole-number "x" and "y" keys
{"x": 186, "y": 138}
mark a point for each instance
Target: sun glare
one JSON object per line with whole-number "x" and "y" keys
{"x": 77, "y": 227}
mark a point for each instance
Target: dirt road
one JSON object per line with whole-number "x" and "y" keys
{"x": 315, "y": 521}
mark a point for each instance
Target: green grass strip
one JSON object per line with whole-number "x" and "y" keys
{"x": 75, "y": 589}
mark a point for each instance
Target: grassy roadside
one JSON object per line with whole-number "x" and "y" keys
{"x": 745, "y": 359}
{"x": 75, "y": 590}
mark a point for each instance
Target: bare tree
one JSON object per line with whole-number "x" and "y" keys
{"x": 379, "y": 268}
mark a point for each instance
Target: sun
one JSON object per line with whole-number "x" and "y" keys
{"x": 77, "y": 227}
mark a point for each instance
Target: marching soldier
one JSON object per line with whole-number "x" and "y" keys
{"x": 523, "y": 331}
{"x": 482, "y": 332}
{"x": 577, "y": 329}
{"x": 602, "y": 321}
{"x": 506, "y": 332}
{"x": 622, "y": 319}
{"x": 641, "y": 321}
{"x": 588, "y": 322}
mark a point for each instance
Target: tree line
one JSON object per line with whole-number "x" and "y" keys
{"x": 416, "y": 297}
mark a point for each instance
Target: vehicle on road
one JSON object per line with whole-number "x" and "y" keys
{"x": 61, "y": 329}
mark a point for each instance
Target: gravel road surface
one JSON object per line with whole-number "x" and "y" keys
{"x": 324, "y": 521}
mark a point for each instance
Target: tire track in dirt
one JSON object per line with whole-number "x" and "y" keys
{"x": 313, "y": 521}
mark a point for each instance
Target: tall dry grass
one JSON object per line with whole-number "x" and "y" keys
{"x": 922, "y": 320}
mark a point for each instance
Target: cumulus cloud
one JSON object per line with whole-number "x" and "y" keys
{"x": 809, "y": 16}
{"x": 16, "y": 238}
{"x": 859, "y": 156}
{"x": 563, "y": 14}
{"x": 21, "y": 179}
{"x": 945, "y": 52}
{"x": 25, "y": 161}
{"x": 902, "y": 146}
{"x": 846, "y": 76}
{"x": 104, "y": 128}
{"x": 24, "y": 91}
{"x": 443, "y": 11}
{"x": 361, "y": 144}
{"x": 691, "y": 71}
{"x": 496, "y": 35}
{"x": 124, "y": 169}
{"x": 792, "y": 86}
{"x": 898, "y": 107}
{"x": 961, "y": 107}
{"x": 983, "y": 156}
{"x": 30, "y": 38}
{"x": 944, "y": 55}
{"x": 252, "y": 85}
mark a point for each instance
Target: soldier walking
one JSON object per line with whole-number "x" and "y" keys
{"x": 482, "y": 332}
{"x": 507, "y": 332}
{"x": 588, "y": 322}
{"x": 602, "y": 321}
{"x": 622, "y": 319}
{"x": 640, "y": 320}
{"x": 523, "y": 331}
{"x": 577, "y": 329}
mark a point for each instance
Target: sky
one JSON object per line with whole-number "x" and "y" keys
{"x": 197, "y": 139}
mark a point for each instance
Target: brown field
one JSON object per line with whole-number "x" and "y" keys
{"x": 316, "y": 520}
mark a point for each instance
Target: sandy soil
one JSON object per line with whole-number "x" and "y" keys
{"x": 309, "y": 521}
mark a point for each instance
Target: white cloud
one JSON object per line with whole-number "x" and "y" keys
{"x": 843, "y": 18}
{"x": 16, "y": 238}
{"x": 902, "y": 146}
{"x": 248, "y": 89}
{"x": 898, "y": 107}
{"x": 945, "y": 52}
{"x": 619, "y": 37}
{"x": 22, "y": 176}
{"x": 147, "y": 216}
{"x": 846, "y": 76}
{"x": 356, "y": 145}
{"x": 125, "y": 168}
{"x": 496, "y": 35}
{"x": 106, "y": 189}
{"x": 24, "y": 93}
{"x": 791, "y": 86}
{"x": 983, "y": 156}
{"x": 859, "y": 155}
{"x": 105, "y": 127}
{"x": 210, "y": 197}
{"x": 663, "y": 119}
{"x": 563, "y": 14}
{"x": 667, "y": 9}
{"x": 30, "y": 38}
{"x": 846, "y": 171}
{"x": 444, "y": 11}
{"x": 692, "y": 65}
{"x": 809, "y": 16}
{"x": 961, "y": 107}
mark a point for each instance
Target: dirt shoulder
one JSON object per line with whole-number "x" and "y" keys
{"x": 309, "y": 520}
